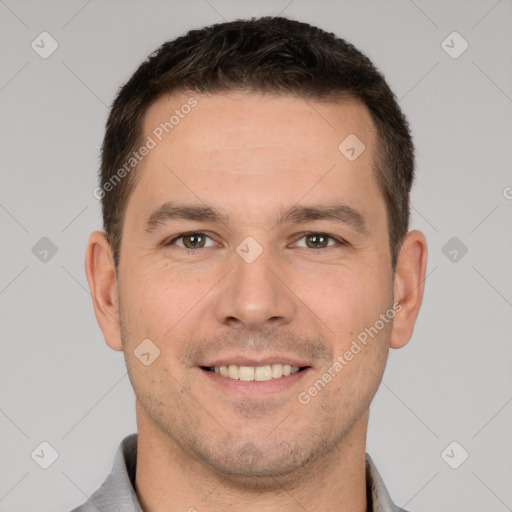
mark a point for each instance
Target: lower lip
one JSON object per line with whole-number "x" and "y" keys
{"x": 253, "y": 387}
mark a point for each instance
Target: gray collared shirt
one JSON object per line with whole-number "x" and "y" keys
{"x": 117, "y": 493}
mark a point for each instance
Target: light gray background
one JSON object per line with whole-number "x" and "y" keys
{"x": 60, "y": 382}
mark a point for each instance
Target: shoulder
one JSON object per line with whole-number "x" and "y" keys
{"x": 117, "y": 493}
{"x": 378, "y": 495}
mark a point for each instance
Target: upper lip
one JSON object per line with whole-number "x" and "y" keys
{"x": 256, "y": 360}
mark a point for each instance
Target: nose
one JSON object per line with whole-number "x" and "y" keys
{"x": 255, "y": 295}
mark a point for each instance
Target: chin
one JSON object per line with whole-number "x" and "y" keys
{"x": 255, "y": 466}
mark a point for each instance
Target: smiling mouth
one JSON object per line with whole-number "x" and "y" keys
{"x": 255, "y": 373}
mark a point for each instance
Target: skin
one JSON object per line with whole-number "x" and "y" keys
{"x": 202, "y": 444}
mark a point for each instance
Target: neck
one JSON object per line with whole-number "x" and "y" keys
{"x": 170, "y": 479}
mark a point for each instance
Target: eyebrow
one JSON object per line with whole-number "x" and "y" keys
{"x": 336, "y": 212}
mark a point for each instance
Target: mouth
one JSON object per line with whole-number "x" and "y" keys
{"x": 255, "y": 373}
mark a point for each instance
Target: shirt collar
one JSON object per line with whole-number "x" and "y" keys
{"x": 117, "y": 494}
{"x": 377, "y": 494}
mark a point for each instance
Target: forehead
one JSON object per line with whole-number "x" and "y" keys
{"x": 277, "y": 129}
{"x": 243, "y": 150}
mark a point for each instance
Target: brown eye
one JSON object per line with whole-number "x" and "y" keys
{"x": 193, "y": 241}
{"x": 196, "y": 240}
{"x": 319, "y": 241}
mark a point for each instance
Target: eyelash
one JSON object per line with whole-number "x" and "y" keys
{"x": 339, "y": 241}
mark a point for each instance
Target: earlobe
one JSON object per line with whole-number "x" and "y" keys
{"x": 409, "y": 286}
{"x": 101, "y": 276}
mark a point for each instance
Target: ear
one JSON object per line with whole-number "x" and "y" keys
{"x": 408, "y": 287}
{"x": 101, "y": 276}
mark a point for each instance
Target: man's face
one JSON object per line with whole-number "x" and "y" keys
{"x": 256, "y": 289}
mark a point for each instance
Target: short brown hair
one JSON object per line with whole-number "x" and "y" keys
{"x": 267, "y": 54}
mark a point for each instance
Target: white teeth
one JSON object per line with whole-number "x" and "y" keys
{"x": 256, "y": 373}
{"x": 263, "y": 373}
{"x": 277, "y": 371}
{"x": 246, "y": 373}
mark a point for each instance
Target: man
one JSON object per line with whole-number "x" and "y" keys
{"x": 255, "y": 269}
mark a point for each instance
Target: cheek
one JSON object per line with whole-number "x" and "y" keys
{"x": 157, "y": 296}
{"x": 167, "y": 306}
{"x": 347, "y": 300}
